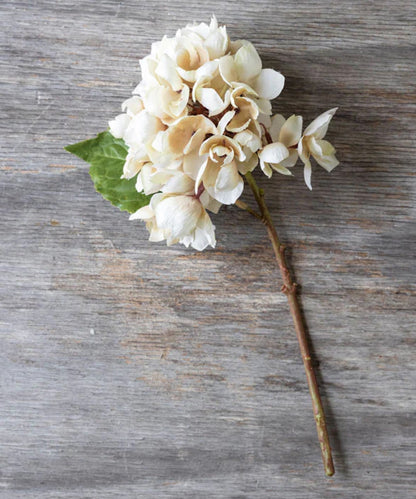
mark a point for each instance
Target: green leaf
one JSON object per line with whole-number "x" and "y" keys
{"x": 106, "y": 155}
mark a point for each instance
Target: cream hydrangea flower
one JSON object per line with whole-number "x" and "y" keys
{"x": 178, "y": 218}
{"x": 219, "y": 173}
{"x": 312, "y": 144}
{"x": 198, "y": 121}
{"x": 281, "y": 154}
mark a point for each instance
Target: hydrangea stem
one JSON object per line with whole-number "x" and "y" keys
{"x": 289, "y": 288}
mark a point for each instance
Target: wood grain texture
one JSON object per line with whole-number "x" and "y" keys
{"x": 191, "y": 384}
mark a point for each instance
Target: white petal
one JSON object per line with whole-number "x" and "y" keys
{"x": 274, "y": 153}
{"x": 248, "y": 62}
{"x": 119, "y": 125}
{"x": 269, "y": 84}
{"x": 319, "y": 125}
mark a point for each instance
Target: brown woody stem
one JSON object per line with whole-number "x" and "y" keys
{"x": 289, "y": 289}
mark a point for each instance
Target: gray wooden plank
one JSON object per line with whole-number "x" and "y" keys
{"x": 192, "y": 385}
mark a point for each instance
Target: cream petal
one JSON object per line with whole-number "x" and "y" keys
{"x": 202, "y": 174}
{"x": 119, "y": 125}
{"x": 207, "y": 70}
{"x": 144, "y": 213}
{"x": 178, "y": 214}
{"x": 307, "y": 173}
{"x": 243, "y": 90}
{"x": 222, "y": 140}
{"x": 248, "y": 139}
{"x": 291, "y": 131}
{"x": 269, "y": 84}
{"x": 178, "y": 106}
{"x": 274, "y": 153}
{"x": 291, "y": 159}
{"x": 133, "y": 163}
{"x": 276, "y": 124}
{"x": 324, "y": 154}
{"x": 235, "y": 45}
{"x": 209, "y": 176}
{"x": 204, "y": 233}
{"x": 222, "y": 124}
{"x": 142, "y": 128}
{"x": 133, "y": 105}
{"x": 281, "y": 169}
{"x": 239, "y": 123}
{"x": 209, "y": 203}
{"x": 187, "y": 75}
{"x": 145, "y": 182}
{"x": 248, "y": 62}
{"x": 201, "y": 240}
{"x": 166, "y": 69}
{"x": 148, "y": 67}
{"x": 156, "y": 235}
{"x": 266, "y": 121}
{"x": 248, "y": 165}
{"x": 227, "y": 69}
{"x": 210, "y": 99}
{"x": 229, "y": 184}
{"x": 303, "y": 150}
{"x": 161, "y": 176}
{"x": 264, "y": 105}
{"x": 192, "y": 163}
{"x": 266, "y": 168}
{"x": 179, "y": 183}
{"x": 188, "y": 133}
{"x": 217, "y": 43}
{"x": 319, "y": 125}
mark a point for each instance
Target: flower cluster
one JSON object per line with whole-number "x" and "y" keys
{"x": 199, "y": 120}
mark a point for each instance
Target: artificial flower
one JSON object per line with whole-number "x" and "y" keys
{"x": 281, "y": 153}
{"x": 312, "y": 144}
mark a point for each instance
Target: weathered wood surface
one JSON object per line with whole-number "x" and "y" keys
{"x": 132, "y": 370}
